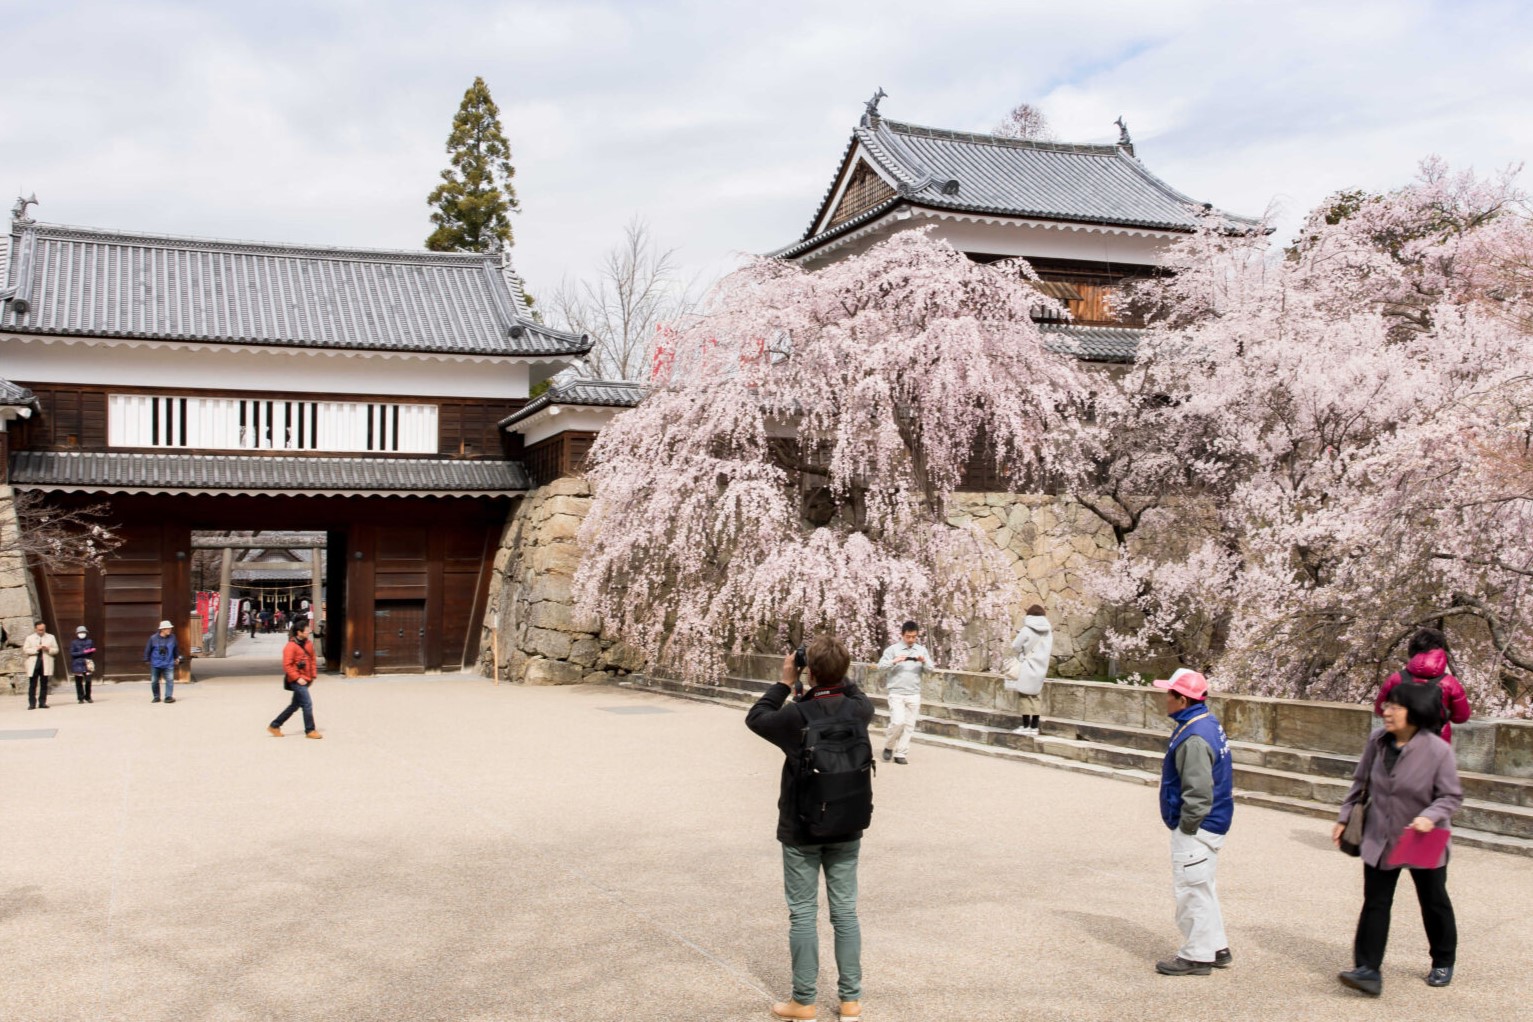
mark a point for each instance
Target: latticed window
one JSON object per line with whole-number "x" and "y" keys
{"x": 259, "y": 424}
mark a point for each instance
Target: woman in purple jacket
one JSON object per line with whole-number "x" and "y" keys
{"x": 81, "y": 649}
{"x": 1412, "y": 782}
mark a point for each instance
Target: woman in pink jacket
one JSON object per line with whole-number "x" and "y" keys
{"x": 1428, "y": 664}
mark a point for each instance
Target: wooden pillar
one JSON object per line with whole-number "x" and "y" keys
{"x": 221, "y": 619}
{"x": 316, "y": 596}
{"x": 357, "y": 653}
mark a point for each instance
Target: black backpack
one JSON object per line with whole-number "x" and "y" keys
{"x": 833, "y": 788}
{"x": 1435, "y": 684}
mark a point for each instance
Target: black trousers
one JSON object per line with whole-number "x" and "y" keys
{"x": 82, "y": 686}
{"x": 1436, "y": 914}
{"x": 37, "y": 686}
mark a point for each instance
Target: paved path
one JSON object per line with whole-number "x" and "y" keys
{"x": 460, "y": 852}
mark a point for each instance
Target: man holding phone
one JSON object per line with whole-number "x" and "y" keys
{"x": 299, "y": 670}
{"x": 903, "y": 664}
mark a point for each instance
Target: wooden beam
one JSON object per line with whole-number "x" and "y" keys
{"x": 256, "y": 544}
{"x": 316, "y": 597}
{"x": 276, "y": 567}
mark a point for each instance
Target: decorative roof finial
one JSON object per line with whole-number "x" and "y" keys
{"x": 870, "y": 114}
{"x": 19, "y": 211}
{"x": 1124, "y": 142}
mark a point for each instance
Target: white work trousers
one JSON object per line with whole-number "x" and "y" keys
{"x": 1194, "y": 867}
{"x": 904, "y": 711}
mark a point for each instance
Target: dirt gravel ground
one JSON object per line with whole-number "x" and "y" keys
{"x": 458, "y": 851}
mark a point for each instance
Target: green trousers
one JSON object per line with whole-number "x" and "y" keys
{"x": 801, "y": 866}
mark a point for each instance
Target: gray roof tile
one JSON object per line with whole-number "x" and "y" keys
{"x": 114, "y": 471}
{"x": 81, "y": 281}
{"x": 1092, "y": 343}
{"x": 11, "y": 394}
{"x": 1095, "y": 184}
{"x": 597, "y": 393}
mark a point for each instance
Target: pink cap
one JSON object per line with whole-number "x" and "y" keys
{"x": 1188, "y": 683}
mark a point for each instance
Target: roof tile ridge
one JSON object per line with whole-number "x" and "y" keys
{"x": 1194, "y": 207}
{"x": 986, "y": 138}
{"x": 75, "y": 232}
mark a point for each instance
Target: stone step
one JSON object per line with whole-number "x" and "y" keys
{"x": 1062, "y": 742}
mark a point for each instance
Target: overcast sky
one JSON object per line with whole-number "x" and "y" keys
{"x": 719, "y": 123}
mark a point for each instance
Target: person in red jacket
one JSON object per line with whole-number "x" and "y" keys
{"x": 1428, "y": 663}
{"x": 299, "y": 670}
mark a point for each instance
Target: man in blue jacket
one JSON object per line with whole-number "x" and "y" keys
{"x": 160, "y": 654}
{"x": 1197, "y": 802}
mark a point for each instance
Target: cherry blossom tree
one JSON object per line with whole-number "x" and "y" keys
{"x": 791, "y": 469}
{"x": 1026, "y": 122}
{"x": 1348, "y": 416}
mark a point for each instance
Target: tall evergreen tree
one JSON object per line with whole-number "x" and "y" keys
{"x": 476, "y": 196}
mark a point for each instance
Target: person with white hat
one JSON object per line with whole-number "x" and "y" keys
{"x": 81, "y": 648}
{"x": 1197, "y": 803}
{"x": 161, "y": 654}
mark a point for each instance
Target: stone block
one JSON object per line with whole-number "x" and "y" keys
{"x": 552, "y": 672}
{"x": 561, "y": 617}
{"x": 1245, "y": 718}
{"x": 1114, "y": 704}
{"x": 549, "y": 587}
{"x": 575, "y": 507}
{"x": 548, "y": 643}
{"x": 585, "y": 652}
{"x": 566, "y": 486}
{"x": 1474, "y": 745}
{"x": 1018, "y": 516}
{"x": 622, "y": 657}
{"x": 597, "y": 678}
{"x": 1514, "y": 748}
{"x": 1065, "y": 700}
{"x": 1341, "y": 728}
{"x": 555, "y": 558}
{"x": 559, "y": 527}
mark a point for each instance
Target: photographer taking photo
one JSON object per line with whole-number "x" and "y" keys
{"x": 825, "y": 799}
{"x": 299, "y": 669}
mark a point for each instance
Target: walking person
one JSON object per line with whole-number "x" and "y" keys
{"x": 903, "y": 664}
{"x": 833, "y": 715}
{"x": 1428, "y": 665}
{"x": 299, "y": 669}
{"x": 39, "y": 649}
{"x": 1407, "y": 779}
{"x": 1197, "y": 803}
{"x": 1033, "y": 646}
{"x": 81, "y": 648}
{"x": 162, "y": 655}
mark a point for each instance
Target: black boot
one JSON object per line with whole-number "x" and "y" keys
{"x": 1367, "y": 981}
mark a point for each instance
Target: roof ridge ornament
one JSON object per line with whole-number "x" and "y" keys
{"x": 19, "y": 211}
{"x": 1124, "y": 142}
{"x": 870, "y": 116}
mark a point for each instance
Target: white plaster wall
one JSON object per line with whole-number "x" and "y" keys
{"x": 543, "y": 425}
{"x": 1034, "y": 241}
{"x": 167, "y": 368}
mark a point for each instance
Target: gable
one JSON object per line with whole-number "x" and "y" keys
{"x": 864, "y": 190}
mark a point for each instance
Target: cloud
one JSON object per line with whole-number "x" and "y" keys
{"x": 718, "y": 123}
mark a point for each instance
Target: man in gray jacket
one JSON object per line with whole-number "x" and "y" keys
{"x": 903, "y": 664}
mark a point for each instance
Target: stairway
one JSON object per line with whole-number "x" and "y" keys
{"x": 1497, "y": 811}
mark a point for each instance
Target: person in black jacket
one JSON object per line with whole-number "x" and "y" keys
{"x": 803, "y": 858}
{"x": 81, "y": 649}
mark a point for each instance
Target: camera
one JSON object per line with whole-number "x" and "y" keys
{"x": 801, "y": 657}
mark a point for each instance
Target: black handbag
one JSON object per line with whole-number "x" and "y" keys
{"x": 1352, "y": 834}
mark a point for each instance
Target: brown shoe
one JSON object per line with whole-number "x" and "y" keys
{"x": 793, "y": 1011}
{"x": 313, "y": 734}
{"x": 851, "y": 1011}
{"x": 275, "y": 732}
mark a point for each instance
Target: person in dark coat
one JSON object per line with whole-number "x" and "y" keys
{"x": 81, "y": 648}
{"x": 1412, "y": 782}
{"x": 804, "y": 857}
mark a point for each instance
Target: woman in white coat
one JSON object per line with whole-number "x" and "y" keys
{"x": 1024, "y": 675}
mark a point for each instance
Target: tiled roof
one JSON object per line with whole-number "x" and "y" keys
{"x": 588, "y": 393}
{"x": 232, "y": 473}
{"x": 11, "y": 394}
{"x": 1089, "y": 184}
{"x": 81, "y": 281}
{"x": 1092, "y": 343}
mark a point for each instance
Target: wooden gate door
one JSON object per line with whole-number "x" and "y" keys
{"x": 399, "y": 635}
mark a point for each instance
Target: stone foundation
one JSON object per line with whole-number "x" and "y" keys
{"x": 541, "y": 639}
{"x": 18, "y": 604}
{"x": 1051, "y": 543}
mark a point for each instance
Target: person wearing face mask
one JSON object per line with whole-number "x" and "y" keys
{"x": 81, "y": 648}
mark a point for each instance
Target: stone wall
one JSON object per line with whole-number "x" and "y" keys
{"x": 1050, "y": 542}
{"x": 18, "y": 603}
{"x": 542, "y": 640}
